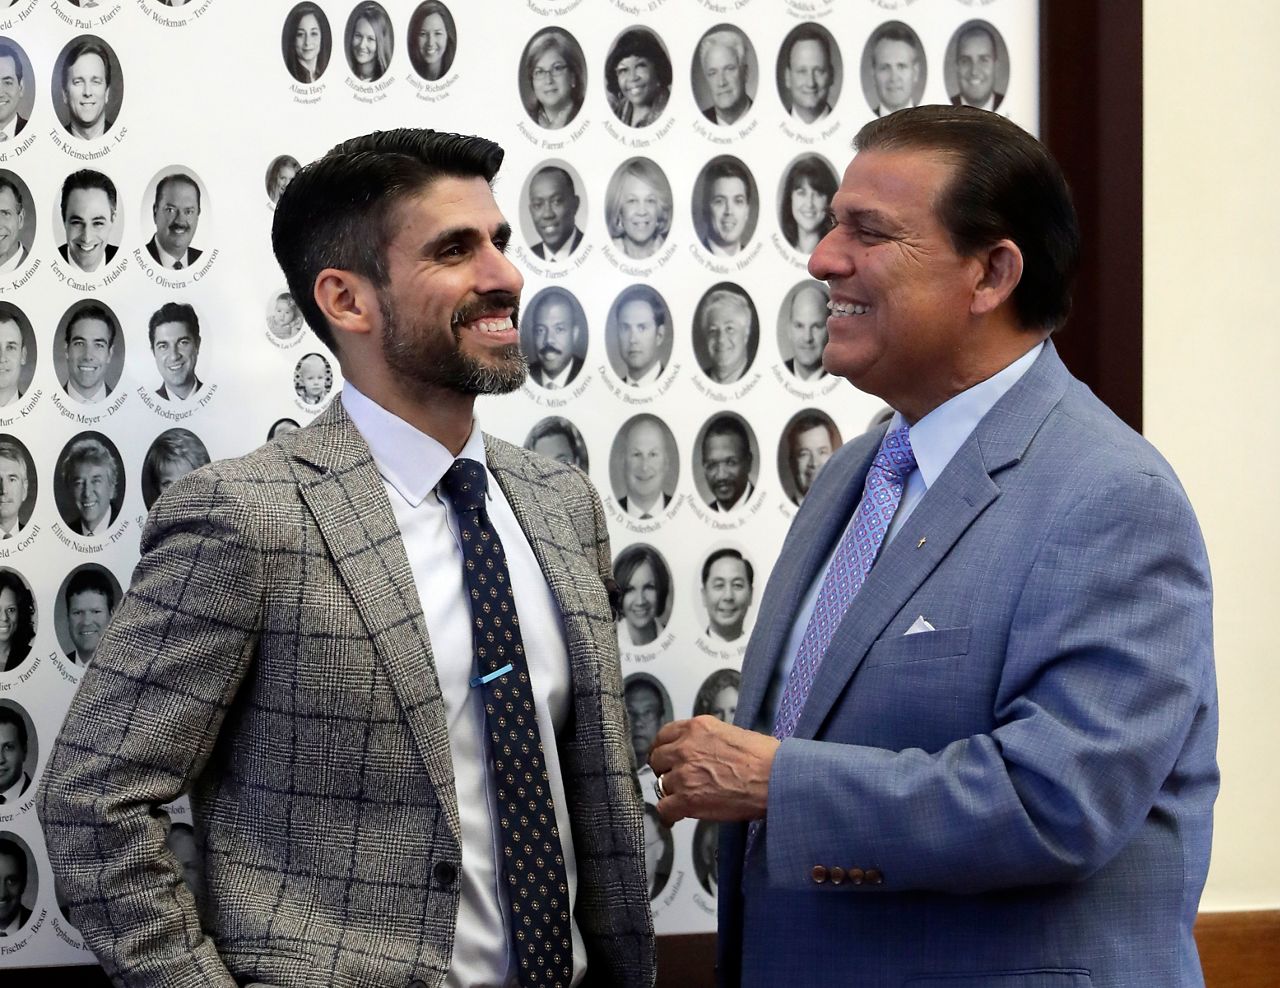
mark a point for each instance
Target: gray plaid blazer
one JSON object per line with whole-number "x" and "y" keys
{"x": 271, "y": 659}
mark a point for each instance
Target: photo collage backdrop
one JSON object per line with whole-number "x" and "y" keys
{"x": 668, "y": 168}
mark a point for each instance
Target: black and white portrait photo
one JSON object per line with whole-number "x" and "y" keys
{"x": 638, "y": 208}
{"x": 306, "y": 42}
{"x": 171, "y": 456}
{"x": 17, "y": 89}
{"x": 17, "y": 629}
{"x": 19, "y": 754}
{"x": 726, "y": 462}
{"x": 284, "y": 318}
{"x": 554, "y": 200}
{"x": 638, "y": 338}
{"x": 726, "y": 206}
{"x": 18, "y": 878}
{"x": 975, "y": 68}
{"x": 17, "y": 354}
{"x": 807, "y": 442}
{"x": 809, "y": 73}
{"x": 644, "y": 467}
{"x": 90, "y": 222}
{"x": 89, "y": 352}
{"x": 553, "y": 337}
{"x": 718, "y": 695}
{"x": 556, "y": 438}
{"x": 17, "y": 220}
{"x": 279, "y": 174}
{"x": 804, "y": 201}
{"x": 18, "y": 487}
{"x": 88, "y": 88}
{"x": 648, "y": 709}
{"x": 86, "y": 600}
{"x": 644, "y": 581}
{"x": 637, "y": 77}
{"x": 369, "y": 41}
{"x": 313, "y": 379}
{"x": 89, "y": 484}
{"x": 706, "y": 838}
{"x": 553, "y": 78}
{"x": 726, "y": 333}
{"x": 281, "y": 427}
{"x": 432, "y": 40}
{"x": 726, "y": 587}
{"x": 176, "y": 201}
{"x": 173, "y": 332}
{"x": 893, "y": 68}
{"x": 725, "y": 75}
{"x": 802, "y": 330}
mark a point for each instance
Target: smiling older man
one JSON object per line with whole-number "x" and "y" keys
{"x": 176, "y": 212}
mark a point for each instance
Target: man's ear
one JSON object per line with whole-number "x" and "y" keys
{"x": 1001, "y": 272}
{"x": 348, "y": 300}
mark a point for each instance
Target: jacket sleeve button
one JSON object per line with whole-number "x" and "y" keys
{"x": 819, "y": 874}
{"x": 874, "y": 877}
{"x": 445, "y": 872}
{"x": 837, "y": 875}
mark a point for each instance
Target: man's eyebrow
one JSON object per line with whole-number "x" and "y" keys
{"x": 454, "y": 234}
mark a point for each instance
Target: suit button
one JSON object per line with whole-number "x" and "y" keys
{"x": 874, "y": 877}
{"x": 837, "y": 875}
{"x": 855, "y": 876}
{"x": 819, "y": 874}
{"x": 445, "y": 873}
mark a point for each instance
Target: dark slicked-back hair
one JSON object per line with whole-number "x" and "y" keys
{"x": 337, "y": 211}
{"x": 91, "y": 578}
{"x": 90, "y": 46}
{"x": 9, "y": 51}
{"x": 174, "y": 312}
{"x": 86, "y": 178}
{"x": 1006, "y": 185}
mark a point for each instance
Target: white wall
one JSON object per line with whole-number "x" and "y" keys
{"x": 1212, "y": 370}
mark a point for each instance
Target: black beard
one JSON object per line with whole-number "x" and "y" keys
{"x": 420, "y": 357}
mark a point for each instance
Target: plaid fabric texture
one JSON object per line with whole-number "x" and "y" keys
{"x": 271, "y": 659}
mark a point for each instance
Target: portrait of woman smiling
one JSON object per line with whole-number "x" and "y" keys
{"x": 638, "y": 207}
{"x": 369, "y": 42}
{"x": 807, "y": 191}
{"x": 552, "y": 79}
{"x": 637, "y": 75}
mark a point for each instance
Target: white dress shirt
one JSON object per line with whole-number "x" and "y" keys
{"x": 645, "y": 379}
{"x": 411, "y": 464}
{"x": 15, "y": 791}
{"x": 93, "y": 397}
{"x": 167, "y": 260}
{"x": 934, "y": 440}
{"x": 15, "y": 262}
{"x": 557, "y": 382}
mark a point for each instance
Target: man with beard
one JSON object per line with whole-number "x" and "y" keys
{"x": 728, "y": 207}
{"x": 12, "y": 89}
{"x": 89, "y": 344}
{"x": 88, "y": 216}
{"x": 86, "y": 89}
{"x": 976, "y": 62}
{"x": 174, "y": 331}
{"x": 90, "y": 599}
{"x": 176, "y": 211}
{"x": 557, "y": 336}
{"x": 553, "y": 207}
{"x": 350, "y": 643}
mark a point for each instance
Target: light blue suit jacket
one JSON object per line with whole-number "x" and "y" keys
{"x": 1033, "y": 781}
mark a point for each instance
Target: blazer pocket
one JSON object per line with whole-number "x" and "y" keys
{"x": 1048, "y": 977}
{"x": 945, "y": 643}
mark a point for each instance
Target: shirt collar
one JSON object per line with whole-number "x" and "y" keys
{"x": 936, "y": 437}
{"x": 167, "y": 260}
{"x": 566, "y": 248}
{"x": 409, "y": 460}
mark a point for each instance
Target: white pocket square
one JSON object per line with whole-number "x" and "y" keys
{"x": 918, "y": 626}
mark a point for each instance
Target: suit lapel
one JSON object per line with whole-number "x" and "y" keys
{"x": 348, "y": 500}
{"x": 558, "y": 548}
{"x": 963, "y": 491}
{"x": 820, "y": 522}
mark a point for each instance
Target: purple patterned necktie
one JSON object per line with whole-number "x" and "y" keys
{"x": 849, "y": 568}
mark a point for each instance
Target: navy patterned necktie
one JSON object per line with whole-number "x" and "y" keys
{"x": 533, "y": 862}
